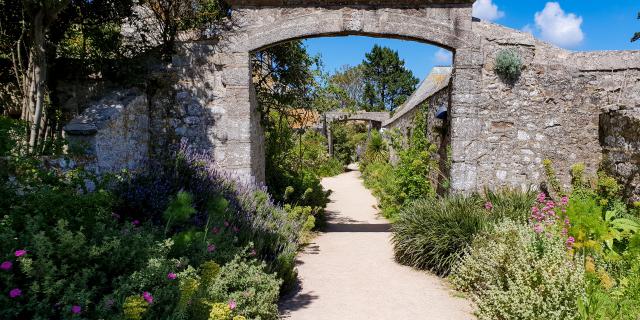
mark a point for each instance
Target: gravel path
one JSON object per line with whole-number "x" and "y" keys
{"x": 348, "y": 271}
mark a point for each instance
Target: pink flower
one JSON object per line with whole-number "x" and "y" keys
{"x": 232, "y": 304}
{"x": 6, "y": 265}
{"x": 15, "y": 293}
{"x": 550, "y": 204}
{"x": 76, "y": 309}
{"x": 20, "y": 253}
{"x": 236, "y": 229}
{"x": 135, "y": 222}
{"x": 226, "y": 223}
{"x": 171, "y": 276}
{"x": 538, "y": 228}
{"x": 564, "y": 231}
{"x": 147, "y": 297}
{"x": 542, "y": 197}
{"x": 564, "y": 200}
{"x": 570, "y": 242}
{"x": 211, "y": 248}
{"x": 253, "y": 252}
{"x": 215, "y": 230}
{"x": 488, "y": 205}
{"x": 567, "y": 222}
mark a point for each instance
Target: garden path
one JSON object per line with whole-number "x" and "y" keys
{"x": 348, "y": 271}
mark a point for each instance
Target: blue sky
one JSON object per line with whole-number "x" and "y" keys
{"x": 573, "y": 24}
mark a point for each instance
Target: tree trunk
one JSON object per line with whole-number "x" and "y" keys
{"x": 39, "y": 77}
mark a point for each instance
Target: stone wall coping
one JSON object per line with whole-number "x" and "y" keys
{"x": 360, "y": 115}
{"x": 438, "y": 79}
{"x": 381, "y": 3}
{"x": 98, "y": 115}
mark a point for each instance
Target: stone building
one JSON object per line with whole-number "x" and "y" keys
{"x": 499, "y": 132}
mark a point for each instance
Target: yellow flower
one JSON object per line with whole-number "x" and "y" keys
{"x": 220, "y": 311}
{"x": 134, "y": 307}
{"x": 589, "y": 265}
{"x": 605, "y": 279}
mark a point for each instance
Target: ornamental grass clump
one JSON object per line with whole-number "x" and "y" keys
{"x": 514, "y": 272}
{"x": 432, "y": 234}
{"x": 508, "y": 65}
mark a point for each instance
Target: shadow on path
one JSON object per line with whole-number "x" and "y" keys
{"x": 354, "y": 227}
{"x": 295, "y": 300}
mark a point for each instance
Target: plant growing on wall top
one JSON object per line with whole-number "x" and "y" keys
{"x": 508, "y": 65}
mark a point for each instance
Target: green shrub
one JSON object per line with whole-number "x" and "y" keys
{"x": 379, "y": 177}
{"x": 246, "y": 283}
{"x": 108, "y": 254}
{"x": 346, "y": 138}
{"x": 433, "y": 233}
{"x": 513, "y": 273}
{"x": 508, "y": 65}
{"x": 510, "y": 204}
{"x": 417, "y": 165}
{"x": 612, "y": 295}
{"x": 376, "y": 150}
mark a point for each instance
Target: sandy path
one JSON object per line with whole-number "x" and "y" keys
{"x": 348, "y": 272}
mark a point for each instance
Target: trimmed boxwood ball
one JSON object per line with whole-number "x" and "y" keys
{"x": 508, "y": 65}
{"x": 432, "y": 234}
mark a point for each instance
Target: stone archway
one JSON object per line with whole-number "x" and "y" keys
{"x": 256, "y": 24}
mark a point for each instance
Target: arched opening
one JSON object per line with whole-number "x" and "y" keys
{"x": 321, "y": 113}
{"x": 449, "y": 27}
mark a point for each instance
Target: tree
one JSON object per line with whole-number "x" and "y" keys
{"x": 636, "y": 36}
{"x": 348, "y": 87}
{"x": 388, "y": 83}
{"x": 173, "y": 16}
{"x": 43, "y": 14}
{"x": 284, "y": 79}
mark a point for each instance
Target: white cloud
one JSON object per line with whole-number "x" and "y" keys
{"x": 560, "y": 28}
{"x": 487, "y": 10}
{"x": 527, "y": 28}
{"x": 442, "y": 56}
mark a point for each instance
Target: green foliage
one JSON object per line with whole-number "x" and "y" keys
{"x": 513, "y": 273}
{"x": 607, "y": 298}
{"x": 246, "y": 283}
{"x": 347, "y": 87}
{"x": 552, "y": 178}
{"x": 432, "y": 234}
{"x": 412, "y": 177}
{"x": 347, "y": 137}
{"x": 284, "y": 80}
{"x": 375, "y": 151}
{"x": 312, "y": 155}
{"x": 388, "y": 83}
{"x": 180, "y": 209}
{"x": 379, "y": 177}
{"x": 508, "y": 65}
{"x": 510, "y": 204}
{"x": 415, "y": 170}
{"x": 135, "y": 307}
{"x": 11, "y": 132}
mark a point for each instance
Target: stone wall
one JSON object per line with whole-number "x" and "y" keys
{"x": 620, "y": 139}
{"x": 552, "y": 111}
{"x": 113, "y": 132}
{"x": 500, "y": 132}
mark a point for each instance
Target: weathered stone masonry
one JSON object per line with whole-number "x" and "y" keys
{"x": 499, "y": 132}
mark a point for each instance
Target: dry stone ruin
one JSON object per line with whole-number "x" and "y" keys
{"x": 566, "y": 106}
